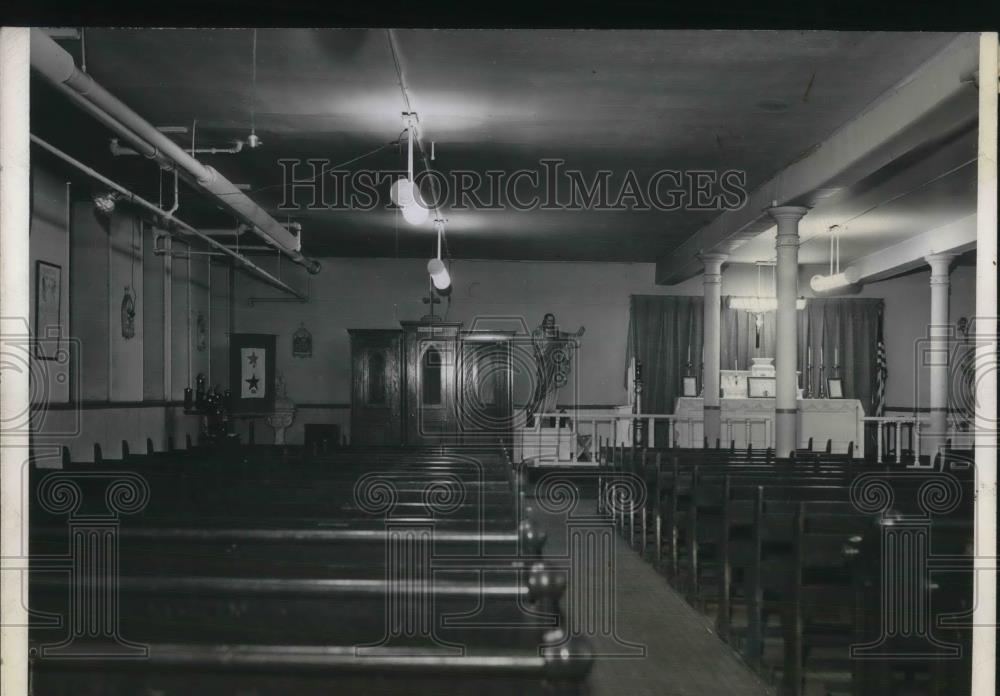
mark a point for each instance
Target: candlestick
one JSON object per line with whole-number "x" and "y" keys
{"x": 836, "y": 355}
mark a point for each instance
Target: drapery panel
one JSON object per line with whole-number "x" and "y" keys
{"x": 845, "y": 329}
{"x": 665, "y": 329}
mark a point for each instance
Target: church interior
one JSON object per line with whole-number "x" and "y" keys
{"x": 499, "y": 361}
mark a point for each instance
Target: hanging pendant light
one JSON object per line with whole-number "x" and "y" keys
{"x": 415, "y": 212}
{"x": 253, "y": 141}
{"x": 759, "y": 304}
{"x": 435, "y": 267}
{"x": 401, "y": 192}
{"x": 836, "y": 278}
{"x": 405, "y": 193}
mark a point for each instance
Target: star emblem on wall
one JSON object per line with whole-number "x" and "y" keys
{"x": 252, "y": 359}
{"x": 253, "y": 382}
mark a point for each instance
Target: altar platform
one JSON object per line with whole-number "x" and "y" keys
{"x": 751, "y": 422}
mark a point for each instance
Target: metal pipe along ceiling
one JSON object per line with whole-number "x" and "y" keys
{"x": 167, "y": 217}
{"x": 57, "y": 66}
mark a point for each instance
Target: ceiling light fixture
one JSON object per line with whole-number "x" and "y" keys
{"x": 836, "y": 278}
{"x": 404, "y": 192}
{"x": 104, "y": 202}
{"x": 821, "y": 283}
{"x": 253, "y": 142}
{"x": 759, "y": 305}
{"x": 435, "y": 267}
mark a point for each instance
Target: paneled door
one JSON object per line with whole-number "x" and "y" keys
{"x": 376, "y": 392}
{"x": 431, "y": 379}
{"x": 485, "y": 410}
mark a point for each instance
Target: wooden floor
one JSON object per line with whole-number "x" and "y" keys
{"x": 683, "y": 656}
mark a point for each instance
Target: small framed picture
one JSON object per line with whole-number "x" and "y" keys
{"x": 835, "y": 388}
{"x": 48, "y": 310}
{"x": 690, "y": 387}
{"x": 760, "y": 387}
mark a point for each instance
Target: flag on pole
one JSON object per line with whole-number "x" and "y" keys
{"x": 881, "y": 372}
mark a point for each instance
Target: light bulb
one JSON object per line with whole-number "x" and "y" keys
{"x": 401, "y": 192}
{"x": 414, "y": 210}
{"x": 821, "y": 283}
{"x": 415, "y": 213}
{"x": 439, "y": 274}
{"x": 758, "y": 305}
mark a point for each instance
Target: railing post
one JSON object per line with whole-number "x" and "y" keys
{"x": 558, "y": 439}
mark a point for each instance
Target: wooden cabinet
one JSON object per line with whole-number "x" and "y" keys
{"x": 429, "y": 384}
{"x": 376, "y": 393}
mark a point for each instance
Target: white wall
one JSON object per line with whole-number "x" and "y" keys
{"x": 101, "y": 395}
{"x": 379, "y": 293}
{"x": 907, "y": 316}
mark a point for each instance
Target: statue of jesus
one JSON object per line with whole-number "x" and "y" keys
{"x": 553, "y": 350}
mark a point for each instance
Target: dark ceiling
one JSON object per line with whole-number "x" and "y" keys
{"x": 489, "y": 100}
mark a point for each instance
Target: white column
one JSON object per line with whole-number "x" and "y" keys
{"x": 984, "y": 613}
{"x": 17, "y": 356}
{"x": 939, "y": 347}
{"x": 712, "y": 284}
{"x": 786, "y": 339}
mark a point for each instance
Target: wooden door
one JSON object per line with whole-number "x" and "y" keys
{"x": 376, "y": 393}
{"x": 431, "y": 381}
{"x": 485, "y": 392}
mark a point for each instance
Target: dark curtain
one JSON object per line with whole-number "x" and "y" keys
{"x": 851, "y": 327}
{"x": 662, "y": 327}
{"x": 739, "y": 338}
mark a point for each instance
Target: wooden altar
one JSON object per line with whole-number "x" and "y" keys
{"x": 752, "y": 421}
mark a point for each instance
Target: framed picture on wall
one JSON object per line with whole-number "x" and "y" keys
{"x": 760, "y": 387}
{"x": 690, "y": 386}
{"x": 48, "y": 310}
{"x": 251, "y": 372}
{"x": 835, "y": 388}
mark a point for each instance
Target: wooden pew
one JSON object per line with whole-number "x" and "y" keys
{"x": 283, "y": 604}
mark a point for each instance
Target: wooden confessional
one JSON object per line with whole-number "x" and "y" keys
{"x": 430, "y": 383}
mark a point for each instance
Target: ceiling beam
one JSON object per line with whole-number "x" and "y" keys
{"x": 958, "y": 236}
{"x": 934, "y": 101}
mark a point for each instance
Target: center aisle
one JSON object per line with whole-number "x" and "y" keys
{"x": 683, "y": 656}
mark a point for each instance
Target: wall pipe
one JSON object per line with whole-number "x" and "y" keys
{"x": 164, "y": 215}
{"x": 119, "y": 150}
{"x": 58, "y": 67}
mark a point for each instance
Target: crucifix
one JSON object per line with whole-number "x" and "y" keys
{"x": 433, "y": 298}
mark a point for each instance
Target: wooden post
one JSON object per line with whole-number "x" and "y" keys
{"x": 692, "y": 540}
{"x": 984, "y": 613}
{"x": 725, "y": 568}
{"x": 792, "y": 614}
{"x": 15, "y": 395}
{"x": 658, "y": 514}
{"x": 754, "y": 591}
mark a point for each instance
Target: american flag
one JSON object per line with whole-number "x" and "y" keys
{"x": 881, "y": 372}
